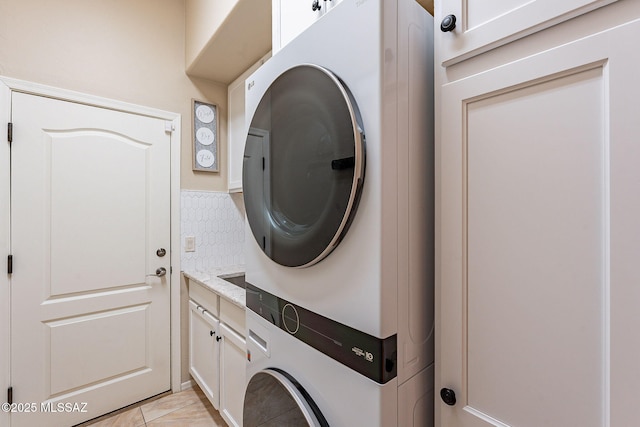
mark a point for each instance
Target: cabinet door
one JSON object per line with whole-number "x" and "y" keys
{"x": 233, "y": 357}
{"x": 290, "y": 18}
{"x": 204, "y": 352}
{"x": 484, "y": 25}
{"x": 540, "y": 239}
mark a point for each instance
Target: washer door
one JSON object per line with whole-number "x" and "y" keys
{"x": 303, "y": 166}
{"x": 274, "y": 398}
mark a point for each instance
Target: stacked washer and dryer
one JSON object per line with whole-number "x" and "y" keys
{"x": 338, "y": 180}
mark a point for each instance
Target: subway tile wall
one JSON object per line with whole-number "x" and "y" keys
{"x": 216, "y": 220}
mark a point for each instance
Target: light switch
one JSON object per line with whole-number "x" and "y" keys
{"x": 190, "y": 244}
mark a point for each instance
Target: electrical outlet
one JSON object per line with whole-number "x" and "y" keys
{"x": 190, "y": 244}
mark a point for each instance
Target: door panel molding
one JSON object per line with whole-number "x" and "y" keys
{"x": 122, "y": 327}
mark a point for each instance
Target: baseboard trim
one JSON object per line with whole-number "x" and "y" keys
{"x": 186, "y": 385}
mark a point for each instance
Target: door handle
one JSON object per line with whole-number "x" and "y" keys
{"x": 159, "y": 273}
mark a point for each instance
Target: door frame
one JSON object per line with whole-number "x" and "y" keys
{"x": 173, "y": 120}
{"x": 5, "y": 246}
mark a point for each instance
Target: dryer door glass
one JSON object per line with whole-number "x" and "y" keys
{"x": 274, "y": 398}
{"x": 303, "y": 166}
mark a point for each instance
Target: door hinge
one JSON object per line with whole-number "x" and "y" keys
{"x": 169, "y": 126}
{"x": 10, "y": 132}
{"x": 10, "y": 264}
{"x": 10, "y": 395}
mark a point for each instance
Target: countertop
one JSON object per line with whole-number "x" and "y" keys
{"x": 210, "y": 280}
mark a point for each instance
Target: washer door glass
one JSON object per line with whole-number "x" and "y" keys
{"x": 303, "y": 166}
{"x": 274, "y": 398}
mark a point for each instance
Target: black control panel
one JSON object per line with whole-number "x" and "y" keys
{"x": 372, "y": 357}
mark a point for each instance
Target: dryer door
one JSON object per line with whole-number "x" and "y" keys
{"x": 274, "y": 398}
{"x": 303, "y": 166}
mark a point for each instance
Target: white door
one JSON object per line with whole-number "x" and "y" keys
{"x": 540, "y": 239}
{"x": 485, "y": 24}
{"x": 90, "y": 208}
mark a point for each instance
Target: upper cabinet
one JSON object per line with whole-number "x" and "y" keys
{"x": 291, "y": 17}
{"x": 474, "y": 27}
{"x": 237, "y": 127}
{"x": 225, "y": 37}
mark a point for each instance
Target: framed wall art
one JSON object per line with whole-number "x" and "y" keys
{"x": 205, "y": 136}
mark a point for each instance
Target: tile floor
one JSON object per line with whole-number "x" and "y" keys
{"x": 189, "y": 408}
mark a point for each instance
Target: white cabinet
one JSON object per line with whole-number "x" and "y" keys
{"x": 233, "y": 357}
{"x": 484, "y": 25}
{"x": 237, "y": 127}
{"x": 538, "y": 233}
{"x": 204, "y": 351}
{"x": 291, "y": 17}
{"x": 217, "y": 351}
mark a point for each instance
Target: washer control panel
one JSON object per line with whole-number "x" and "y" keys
{"x": 371, "y": 356}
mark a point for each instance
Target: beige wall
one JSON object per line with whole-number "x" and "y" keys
{"x": 127, "y": 50}
{"x": 203, "y": 18}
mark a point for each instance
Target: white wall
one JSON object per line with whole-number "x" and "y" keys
{"x": 203, "y": 17}
{"x": 217, "y": 222}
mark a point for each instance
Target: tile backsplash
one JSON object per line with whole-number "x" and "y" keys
{"x": 216, "y": 220}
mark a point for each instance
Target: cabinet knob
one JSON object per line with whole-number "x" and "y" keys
{"x": 448, "y": 396}
{"x": 315, "y": 5}
{"x": 218, "y": 338}
{"x": 211, "y": 333}
{"x": 448, "y": 23}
